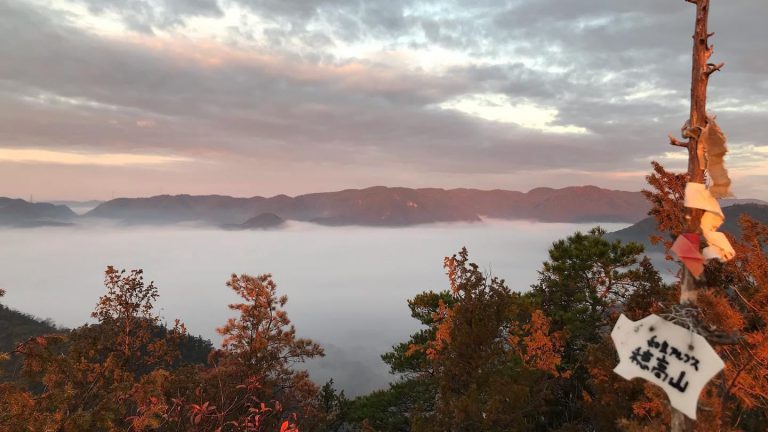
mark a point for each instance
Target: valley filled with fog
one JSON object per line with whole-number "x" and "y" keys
{"x": 347, "y": 287}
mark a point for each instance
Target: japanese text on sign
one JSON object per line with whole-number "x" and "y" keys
{"x": 672, "y": 357}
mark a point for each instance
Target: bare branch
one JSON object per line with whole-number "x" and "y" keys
{"x": 712, "y": 68}
{"x": 675, "y": 142}
{"x": 722, "y": 338}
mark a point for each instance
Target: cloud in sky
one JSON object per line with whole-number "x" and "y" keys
{"x": 276, "y": 96}
{"x": 501, "y": 108}
{"x": 34, "y": 156}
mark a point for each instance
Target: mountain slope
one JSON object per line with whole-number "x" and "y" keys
{"x": 641, "y": 231}
{"x": 20, "y": 213}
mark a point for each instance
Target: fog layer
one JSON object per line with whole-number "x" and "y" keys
{"x": 347, "y": 287}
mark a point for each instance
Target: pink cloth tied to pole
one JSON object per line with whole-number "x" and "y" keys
{"x": 686, "y": 247}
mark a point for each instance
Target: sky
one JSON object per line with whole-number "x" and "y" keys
{"x": 108, "y": 98}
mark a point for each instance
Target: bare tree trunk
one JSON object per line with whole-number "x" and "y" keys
{"x": 700, "y": 71}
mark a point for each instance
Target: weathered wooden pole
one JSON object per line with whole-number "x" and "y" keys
{"x": 701, "y": 70}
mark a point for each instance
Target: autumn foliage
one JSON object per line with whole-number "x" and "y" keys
{"x": 486, "y": 358}
{"x": 489, "y": 358}
{"x": 125, "y": 372}
{"x": 733, "y": 313}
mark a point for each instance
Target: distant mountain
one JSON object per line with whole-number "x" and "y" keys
{"x": 20, "y": 213}
{"x": 375, "y": 206}
{"x": 727, "y": 202}
{"x": 260, "y": 222}
{"x": 641, "y": 231}
{"x": 385, "y": 206}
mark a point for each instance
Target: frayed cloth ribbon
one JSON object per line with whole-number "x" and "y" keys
{"x": 713, "y": 142}
{"x": 699, "y": 197}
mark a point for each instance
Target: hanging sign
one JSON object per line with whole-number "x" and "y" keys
{"x": 676, "y": 359}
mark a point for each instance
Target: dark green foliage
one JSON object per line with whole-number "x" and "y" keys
{"x": 582, "y": 288}
{"x": 402, "y": 359}
{"x": 193, "y": 350}
{"x": 586, "y": 276}
{"x": 460, "y": 371}
{"x": 393, "y": 409}
{"x": 469, "y": 354}
{"x": 483, "y": 363}
{"x": 17, "y": 327}
{"x": 334, "y": 407}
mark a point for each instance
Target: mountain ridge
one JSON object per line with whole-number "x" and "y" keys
{"x": 386, "y": 206}
{"x": 372, "y": 206}
{"x": 19, "y": 213}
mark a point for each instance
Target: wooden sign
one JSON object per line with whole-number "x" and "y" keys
{"x": 676, "y": 359}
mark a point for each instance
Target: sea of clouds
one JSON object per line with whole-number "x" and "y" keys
{"x": 347, "y": 287}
